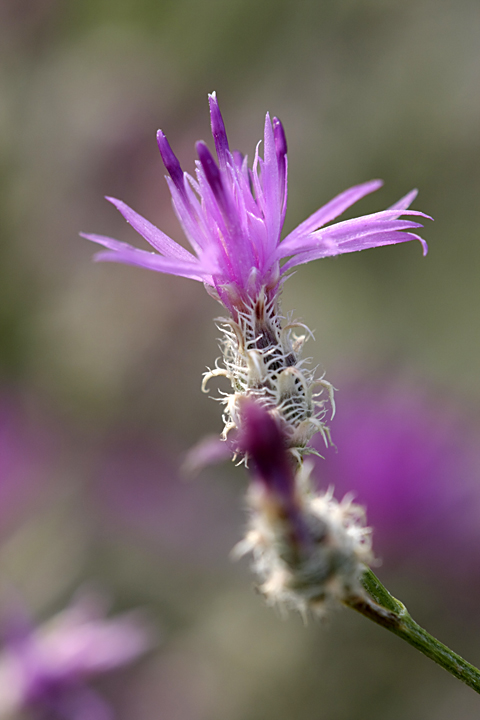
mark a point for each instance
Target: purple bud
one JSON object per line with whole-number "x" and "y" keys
{"x": 265, "y": 445}
{"x": 170, "y": 161}
{"x": 218, "y": 130}
{"x": 264, "y": 441}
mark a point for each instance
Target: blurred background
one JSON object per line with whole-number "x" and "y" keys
{"x": 100, "y": 365}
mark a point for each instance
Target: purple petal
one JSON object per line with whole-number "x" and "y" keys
{"x": 212, "y": 175}
{"x": 349, "y": 229}
{"x": 343, "y": 233}
{"x": 111, "y": 243}
{"x": 281, "y": 150}
{"x": 280, "y": 140}
{"x": 170, "y": 161}
{"x": 271, "y": 189}
{"x": 329, "y": 247}
{"x": 332, "y": 209}
{"x": 122, "y": 253}
{"x": 188, "y": 209}
{"x": 255, "y": 183}
{"x": 222, "y": 218}
{"x": 100, "y": 646}
{"x": 238, "y": 159}
{"x": 218, "y": 131}
{"x": 157, "y": 263}
{"x": 405, "y": 202}
{"x": 209, "y": 451}
{"x": 158, "y": 239}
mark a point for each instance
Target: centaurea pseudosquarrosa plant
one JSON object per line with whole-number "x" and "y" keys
{"x": 307, "y": 548}
{"x": 232, "y": 217}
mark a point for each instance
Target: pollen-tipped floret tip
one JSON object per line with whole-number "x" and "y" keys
{"x": 214, "y": 109}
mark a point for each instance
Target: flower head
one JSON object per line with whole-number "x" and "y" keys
{"x": 232, "y": 216}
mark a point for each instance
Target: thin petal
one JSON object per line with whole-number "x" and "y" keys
{"x": 218, "y": 131}
{"x": 273, "y": 193}
{"x": 188, "y": 211}
{"x": 329, "y": 247}
{"x": 109, "y": 242}
{"x": 158, "y": 239}
{"x": 405, "y": 201}
{"x": 385, "y": 219}
{"x": 345, "y": 234}
{"x": 257, "y": 187}
{"x": 281, "y": 150}
{"x": 170, "y": 161}
{"x": 155, "y": 262}
{"x": 333, "y": 209}
{"x": 122, "y": 253}
{"x": 213, "y": 176}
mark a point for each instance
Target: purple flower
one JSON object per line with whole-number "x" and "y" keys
{"x": 232, "y": 217}
{"x": 413, "y": 460}
{"x": 46, "y": 671}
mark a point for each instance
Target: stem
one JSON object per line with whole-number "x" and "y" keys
{"x": 392, "y": 614}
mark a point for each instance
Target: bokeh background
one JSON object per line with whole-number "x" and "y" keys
{"x": 100, "y": 365}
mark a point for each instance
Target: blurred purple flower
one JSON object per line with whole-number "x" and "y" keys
{"x": 46, "y": 671}
{"x": 233, "y": 216}
{"x": 413, "y": 462}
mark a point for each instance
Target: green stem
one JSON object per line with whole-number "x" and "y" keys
{"x": 391, "y": 614}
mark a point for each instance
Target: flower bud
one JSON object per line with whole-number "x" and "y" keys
{"x": 308, "y": 549}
